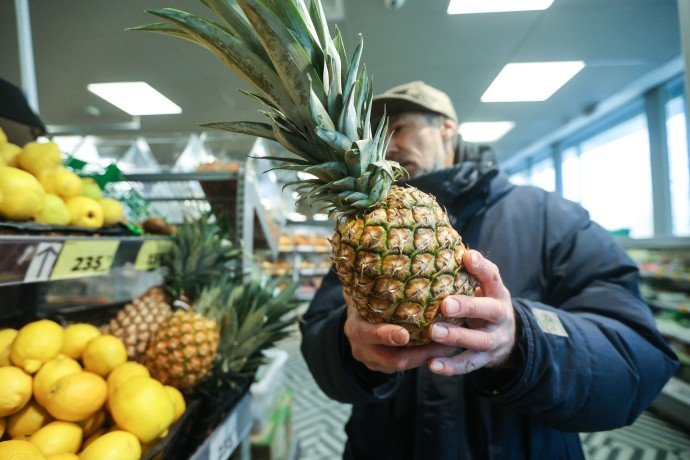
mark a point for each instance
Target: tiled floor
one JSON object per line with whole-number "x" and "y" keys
{"x": 318, "y": 424}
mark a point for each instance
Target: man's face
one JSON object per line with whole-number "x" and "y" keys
{"x": 418, "y": 143}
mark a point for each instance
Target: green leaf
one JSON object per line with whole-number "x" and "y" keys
{"x": 233, "y": 53}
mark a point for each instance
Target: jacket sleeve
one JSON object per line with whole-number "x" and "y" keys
{"x": 593, "y": 358}
{"x": 327, "y": 352}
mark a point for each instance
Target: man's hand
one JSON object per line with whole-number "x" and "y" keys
{"x": 380, "y": 347}
{"x": 488, "y": 335}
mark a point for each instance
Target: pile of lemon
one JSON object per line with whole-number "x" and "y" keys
{"x": 35, "y": 185}
{"x": 70, "y": 393}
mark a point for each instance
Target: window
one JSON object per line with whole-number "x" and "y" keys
{"x": 543, "y": 175}
{"x": 679, "y": 171}
{"x": 616, "y": 176}
{"x": 570, "y": 168}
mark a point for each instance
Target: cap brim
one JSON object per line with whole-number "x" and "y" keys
{"x": 394, "y": 105}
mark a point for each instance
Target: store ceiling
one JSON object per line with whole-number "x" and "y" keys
{"x": 76, "y": 43}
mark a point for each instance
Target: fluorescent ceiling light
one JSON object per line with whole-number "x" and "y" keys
{"x": 530, "y": 81}
{"x": 496, "y": 6}
{"x": 489, "y": 131}
{"x": 135, "y": 98}
{"x": 296, "y": 217}
{"x": 320, "y": 217}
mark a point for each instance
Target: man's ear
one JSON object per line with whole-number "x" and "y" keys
{"x": 448, "y": 129}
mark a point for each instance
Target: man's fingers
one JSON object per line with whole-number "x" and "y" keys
{"x": 485, "y": 308}
{"x": 486, "y": 273}
{"x": 464, "y": 363}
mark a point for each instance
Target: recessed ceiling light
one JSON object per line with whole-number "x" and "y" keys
{"x": 496, "y": 6}
{"x": 489, "y": 131}
{"x": 530, "y": 81}
{"x": 136, "y": 98}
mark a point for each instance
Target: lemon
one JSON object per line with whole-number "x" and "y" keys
{"x": 60, "y": 181}
{"x": 17, "y": 449}
{"x": 178, "y": 401}
{"x": 9, "y": 153}
{"x": 124, "y": 372}
{"x": 142, "y": 406}
{"x": 85, "y": 212}
{"x": 58, "y": 437}
{"x": 113, "y": 211}
{"x": 36, "y": 343}
{"x": 28, "y": 420}
{"x": 15, "y": 391}
{"x": 76, "y": 397}
{"x": 37, "y": 156}
{"x": 54, "y": 211}
{"x": 22, "y": 194}
{"x": 50, "y": 372}
{"x": 76, "y": 337}
{"x": 7, "y": 336}
{"x": 103, "y": 354}
{"x": 93, "y": 436}
{"x": 66, "y": 456}
{"x": 93, "y": 423}
{"x": 116, "y": 445}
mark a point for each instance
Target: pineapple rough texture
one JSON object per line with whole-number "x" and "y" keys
{"x": 318, "y": 105}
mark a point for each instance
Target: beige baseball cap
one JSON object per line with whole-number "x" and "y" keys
{"x": 415, "y": 96}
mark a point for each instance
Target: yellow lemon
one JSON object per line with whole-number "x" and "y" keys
{"x": 17, "y": 449}
{"x": 124, "y": 372}
{"x": 54, "y": 211}
{"x": 65, "y": 456}
{"x": 9, "y": 153}
{"x": 28, "y": 420}
{"x": 50, "y": 372}
{"x": 7, "y": 336}
{"x": 60, "y": 181}
{"x": 177, "y": 399}
{"x": 37, "y": 156}
{"x": 58, "y": 437}
{"x": 85, "y": 212}
{"x": 15, "y": 391}
{"x": 113, "y": 211}
{"x": 76, "y": 337}
{"x": 116, "y": 445}
{"x": 77, "y": 396}
{"x": 22, "y": 194}
{"x": 141, "y": 405}
{"x": 93, "y": 423}
{"x": 103, "y": 354}
{"x": 36, "y": 343}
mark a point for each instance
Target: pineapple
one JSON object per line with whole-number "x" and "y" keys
{"x": 183, "y": 351}
{"x": 138, "y": 321}
{"x": 393, "y": 248}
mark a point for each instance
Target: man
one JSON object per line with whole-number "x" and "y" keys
{"x": 556, "y": 341}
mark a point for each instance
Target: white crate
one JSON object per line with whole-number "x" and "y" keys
{"x": 269, "y": 379}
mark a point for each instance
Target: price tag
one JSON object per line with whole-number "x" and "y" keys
{"x": 150, "y": 253}
{"x": 224, "y": 440}
{"x": 42, "y": 262}
{"x": 82, "y": 258}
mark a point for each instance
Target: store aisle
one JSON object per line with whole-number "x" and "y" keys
{"x": 318, "y": 424}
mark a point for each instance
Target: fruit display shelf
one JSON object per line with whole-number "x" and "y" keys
{"x": 45, "y": 258}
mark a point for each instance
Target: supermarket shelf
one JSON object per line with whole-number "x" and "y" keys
{"x": 232, "y": 433}
{"x": 41, "y": 258}
{"x": 673, "y": 330}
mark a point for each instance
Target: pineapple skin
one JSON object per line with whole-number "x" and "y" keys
{"x": 184, "y": 349}
{"x": 399, "y": 260}
{"x": 137, "y": 322}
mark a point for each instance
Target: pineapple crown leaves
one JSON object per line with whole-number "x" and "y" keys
{"x": 253, "y": 316}
{"x": 201, "y": 255}
{"x": 317, "y": 101}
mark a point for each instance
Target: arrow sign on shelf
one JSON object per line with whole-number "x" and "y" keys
{"x": 42, "y": 263}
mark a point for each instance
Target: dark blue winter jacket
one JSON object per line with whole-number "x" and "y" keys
{"x": 593, "y": 359}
